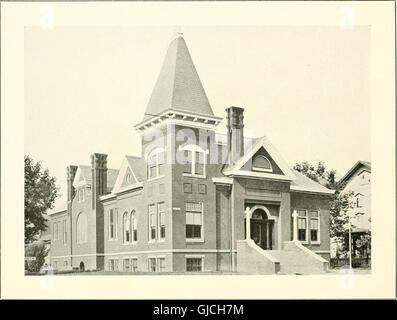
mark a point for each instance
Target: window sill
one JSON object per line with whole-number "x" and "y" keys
{"x": 195, "y": 240}
{"x": 303, "y": 242}
{"x": 156, "y": 178}
{"x": 191, "y": 175}
{"x": 315, "y": 243}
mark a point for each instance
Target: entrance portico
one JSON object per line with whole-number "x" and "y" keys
{"x": 260, "y": 226}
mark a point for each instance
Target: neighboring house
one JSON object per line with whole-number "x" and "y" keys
{"x": 246, "y": 212}
{"x": 358, "y": 180}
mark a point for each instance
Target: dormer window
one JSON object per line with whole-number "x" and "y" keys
{"x": 195, "y": 161}
{"x": 261, "y": 163}
{"x": 155, "y": 164}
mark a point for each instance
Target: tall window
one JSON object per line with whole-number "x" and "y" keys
{"x": 80, "y": 194}
{"x": 113, "y": 224}
{"x": 161, "y": 264}
{"x": 126, "y": 227}
{"x": 126, "y": 265}
{"x": 113, "y": 264}
{"x": 152, "y": 222}
{"x": 65, "y": 232}
{"x": 261, "y": 163}
{"x": 314, "y": 226}
{"x": 152, "y": 265}
{"x": 194, "y": 264}
{"x": 195, "y": 160}
{"x": 134, "y": 226}
{"x": 161, "y": 213}
{"x": 155, "y": 163}
{"x": 56, "y": 231}
{"x": 81, "y": 228}
{"x": 194, "y": 220}
{"x": 302, "y": 225}
{"x": 134, "y": 264}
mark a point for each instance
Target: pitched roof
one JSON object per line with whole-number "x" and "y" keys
{"x": 138, "y": 165}
{"x": 111, "y": 180}
{"x": 303, "y": 183}
{"x": 253, "y": 147}
{"x": 359, "y": 164}
{"x": 178, "y": 85}
{"x": 87, "y": 174}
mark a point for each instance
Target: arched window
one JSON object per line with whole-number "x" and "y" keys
{"x": 81, "y": 228}
{"x": 155, "y": 163}
{"x": 261, "y": 163}
{"x": 126, "y": 227}
{"x": 194, "y": 160}
{"x": 134, "y": 226}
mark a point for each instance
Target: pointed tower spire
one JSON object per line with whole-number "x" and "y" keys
{"x": 178, "y": 86}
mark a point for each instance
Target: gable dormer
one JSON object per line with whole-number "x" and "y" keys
{"x": 130, "y": 175}
{"x": 261, "y": 160}
{"x": 82, "y": 182}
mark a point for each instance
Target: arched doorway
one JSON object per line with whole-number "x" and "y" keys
{"x": 262, "y": 229}
{"x": 82, "y": 267}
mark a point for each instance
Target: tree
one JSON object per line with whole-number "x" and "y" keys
{"x": 40, "y": 194}
{"x": 340, "y": 202}
{"x": 39, "y": 251}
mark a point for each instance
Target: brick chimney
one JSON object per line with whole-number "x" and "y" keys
{"x": 235, "y": 133}
{"x": 99, "y": 176}
{"x": 70, "y": 174}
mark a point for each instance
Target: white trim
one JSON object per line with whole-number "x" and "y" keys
{"x": 125, "y": 165}
{"x": 159, "y": 238}
{"x": 223, "y": 180}
{"x": 107, "y": 196}
{"x": 155, "y": 153}
{"x": 319, "y": 227}
{"x": 169, "y": 116}
{"x": 195, "y": 256}
{"x": 262, "y": 169}
{"x": 201, "y": 239}
{"x": 312, "y": 189}
{"x": 115, "y": 223}
{"x": 76, "y": 181}
{"x": 193, "y": 148}
{"x": 265, "y": 143}
{"x": 253, "y": 174}
{"x": 322, "y": 251}
{"x": 262, "y": 207}
{"x": 306, "y": 217}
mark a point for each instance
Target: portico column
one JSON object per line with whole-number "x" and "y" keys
{"x": 247, "y": 223}
{"x": 295, "y": 226}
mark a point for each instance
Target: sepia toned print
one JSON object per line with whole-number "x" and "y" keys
{"x": 199, "y": 200}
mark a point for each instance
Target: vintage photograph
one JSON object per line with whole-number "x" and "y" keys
{"x": 203, "y": 150}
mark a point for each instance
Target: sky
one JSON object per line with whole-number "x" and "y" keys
{"x": 306, "y": 88}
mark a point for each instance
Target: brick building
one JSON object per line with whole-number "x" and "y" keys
{"x": 195, "y": 200}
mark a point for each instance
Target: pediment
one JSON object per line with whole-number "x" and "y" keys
{"x": 262, "y": 161}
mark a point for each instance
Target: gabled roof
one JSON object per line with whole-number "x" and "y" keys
{"x": 178, "y": 86}
{"x": 305, "y": 184}
{"x": 137, "y": 167}
{"x": 257, "y": 143}
{"x": 84, "y": 174}
{"x": 366, "y": 165}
